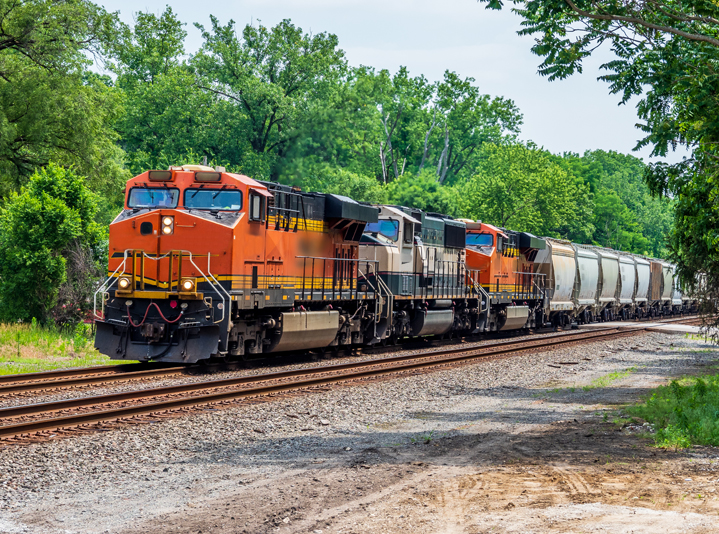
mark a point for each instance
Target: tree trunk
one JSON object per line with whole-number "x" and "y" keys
{"x": 426, "y": 140}
{"x": 442, "y": 165}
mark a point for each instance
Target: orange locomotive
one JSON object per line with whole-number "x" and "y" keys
{"x": 205, "y": 262}
{"x": 502, "y": 263}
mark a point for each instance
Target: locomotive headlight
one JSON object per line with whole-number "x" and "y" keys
{"x": 187, "y": 285}
{"x": 167, "y": 225}
{"x": 123, "y": 283}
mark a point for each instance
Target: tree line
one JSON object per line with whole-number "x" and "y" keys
{"x": 84, "y": 95}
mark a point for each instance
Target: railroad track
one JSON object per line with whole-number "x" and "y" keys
{"x": 30, "y": 383}
{"x": 38, "y": 422}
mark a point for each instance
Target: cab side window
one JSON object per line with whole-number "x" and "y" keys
{"x": 408, "y": 233}
{"x": 257, "y": 207}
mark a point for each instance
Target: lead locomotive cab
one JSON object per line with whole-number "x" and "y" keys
{"x": 167, "y": 295}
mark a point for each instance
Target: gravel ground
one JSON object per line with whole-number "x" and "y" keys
{"x": 350, "y": 452}
{"x": 256, "y": 368}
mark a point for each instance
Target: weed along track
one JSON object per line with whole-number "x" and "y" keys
{"x": 39, "y": 422}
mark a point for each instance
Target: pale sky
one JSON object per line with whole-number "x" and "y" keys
{"x": 431, "y": 36}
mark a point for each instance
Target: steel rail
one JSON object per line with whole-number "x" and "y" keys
{"x": 94, "y": 378}
{"x": 66, "y": 378}
{"x": 48, "y": 375}
{"x": 111, "y": 373}
{"x": 347, "y": 371}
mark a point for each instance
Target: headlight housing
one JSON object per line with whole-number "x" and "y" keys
{"x": 124, "y": 284}
{"x": 187, "y": 285}
{"x": 168, "y": 225}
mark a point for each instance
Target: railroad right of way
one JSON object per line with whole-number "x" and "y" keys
{"x": 42, "y": 421}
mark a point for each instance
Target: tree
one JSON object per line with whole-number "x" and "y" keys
{"x": 49, "y": 220}
{"x": 279, "y": 79}
{"x": 51, "y": 106}
{"x": 439, "y": 125}
{"x": 342, "y": 182}
{"x": 167, "y": 115}
{"x": 666, "y": 52}
{"x": 153, "y": 47}
{"x": 626, "y": 215}
{"x": 521, "y": 188}
{"x": 471, "y": 120}
{"x": 423, "y": 191}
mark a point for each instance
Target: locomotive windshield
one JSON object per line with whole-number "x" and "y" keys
{"x": 480, "y": 240}
{"x": 153, "y": 197}
{"x": 213, "y": 199}
{"x": 386, "y": 227}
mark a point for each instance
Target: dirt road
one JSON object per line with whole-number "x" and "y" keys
{"x": 501, "y": 448}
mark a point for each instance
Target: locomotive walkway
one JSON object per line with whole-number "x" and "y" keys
{"x": 40, "y": 422}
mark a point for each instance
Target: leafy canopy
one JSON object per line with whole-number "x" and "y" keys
{"x": 520, "y": 187}
{"x": 51, "y": 106}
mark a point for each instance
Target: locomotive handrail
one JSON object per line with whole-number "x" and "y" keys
{"x": 229, "y": 298}
{"x": 478, "y": 287}
{"x": 113, "y": 278}
{"x": 361, "y": 260}
{"x": 102, "y": 289}
{"x": 353, "y": 281}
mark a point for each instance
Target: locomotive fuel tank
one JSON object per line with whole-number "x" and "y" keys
{"x": 514, "y": 317}
{"x": 305, "y": 330}
{"x": 432, "y": 322}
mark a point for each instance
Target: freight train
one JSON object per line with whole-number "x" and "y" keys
{"x": 204, "y": 263}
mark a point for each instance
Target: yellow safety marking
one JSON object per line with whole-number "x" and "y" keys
{"x": 309, "y": 225}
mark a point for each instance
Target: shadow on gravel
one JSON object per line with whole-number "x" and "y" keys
{"x": 580, "y": 439}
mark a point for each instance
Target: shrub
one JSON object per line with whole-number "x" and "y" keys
{"x": 684, "y": 412}
{"x": 43, "y": 229}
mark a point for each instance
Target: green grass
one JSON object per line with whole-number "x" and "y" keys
{"x": 606, "y": 380}
{"x": 29, "y": 348}
{"x": 698, "y": 337}
{"x": 684, "y": 413}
